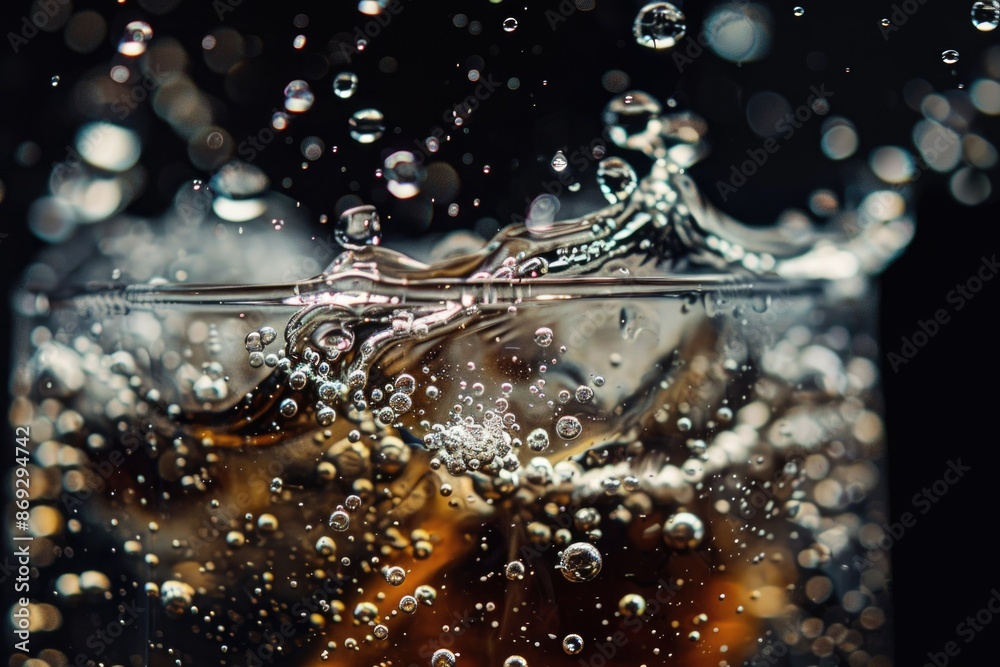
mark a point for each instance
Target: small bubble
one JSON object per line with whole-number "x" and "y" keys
{"x": 395, "y": 575}
{"x": 408, "y": 604}
{"x": 288, "y": 408}
{"x": 949, "y": 57}
{"x": 799, "y": 11}
{"x": 986, "y": 15}
{"x": 358, "y": 227}
{"x": 352, "y": 503}
{"x": 510, "y": 24}
{"x": 443, "y": 658}
{"x": 515, "y": 661}
{"x": 345, "y": 85}
{"x": 568, "y": 427}
{"x": 543, "y": 336}
{"x": 133, "y": 42}
{"x": 367, "y": 125}
{"x": 659, "y": 25}
{"x": 340, "y": 520}
{"x": 559, "y": 162}
{"x": 54, "y": 80}
{"x": 572, "y": 644}
{"x": 298, "y": 97}
{"x": 584, "y": 394}
{"x": 514, "y": 570}
{"x": 683, "y": 531}
{"x": 581, "y": 561}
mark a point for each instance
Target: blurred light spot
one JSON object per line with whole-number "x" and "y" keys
{"x": 299, "y": 42}
{"x": 914, "y": 93}
{"x": 208, "y": 42}
{"x": 986, "y": 96}
{"x": 882, "y": 205}
{"x": 824, "y": 203}
{"x": 96, "y": 199}
{"x": 442, "y": 182}
{"x": 939, "y": 146}
{"x": 159, "y": 7}
{"x": 135, "y": 38}
{"x": 120, "y": 74}
{"x": 238, "y": 210}
{"x": 85, "y": 32}
{"x": 300, "y": 21}
{"x": 739, "y": 32}
{"x": 892, "y": 164}
{"x": 229, "y": 50}
{"x": 27, "y": 153}
{"x": 765, "y": 111}
{"x": 840, "y": 139}
{"x": 56, "y": 14}
{"x": 312, "y": 148}
{"x": 970, "y": 186}
{"x": 371, "y": 7}
{"x": 388, "y": 65}
{"x": 979, "y": 152}
{"x": 615, "y": 81}
{"x": 935, "y": 107}
{"x": 107, "y": 146}
{"x": 164, "y": 58}
{"x": 460, "y": 20}
{"x": 210, "y": 147}
{"x": 51, "y": 219}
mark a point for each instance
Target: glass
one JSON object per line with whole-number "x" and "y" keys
{"x": 643, "y": 433}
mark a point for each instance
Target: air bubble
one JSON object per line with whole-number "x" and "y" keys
{"x": 298, "y": 97}
{"x": 514, "y": 570}
{"x": 358, "y": 227}
{"x": 580, "y": 562}
{"x": 408, "y": 604}
{"x": 345, "y": 85}
{"x": 572, "y": 644}
{"x": 659, "y": 25}
{"x": 949, "y": 57}
{"x": 135, "y": 38}
{"x": 538, "y": 440}
{"x": 443, "y": 658}
{"x": 543, "y": 336}
{"x": 510, "y": 24}
{"x": 986, "y": 15}
{"x": 367, "y": 125}
{"x": 683, "y": 531}
{"x": 288, "y": 408}
{"x": 568, "y": 427}
{"x": 403, "y": 174}
{"x": 340, "y": 520}
{"x": 395, "y": 575}
{"x": 799, "y": 11}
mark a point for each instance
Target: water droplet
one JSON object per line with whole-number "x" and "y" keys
{"x": 340, "y": 520}
{"x": 543, "y": 336}
{"x": 345, "y": 85}
{"x": 633, "y": 120}
{"x": 367, "y": 125}
{"x": 395, "y": 575}
{"x": 949, "y": 57}
{"x": 403, "y": 174}
{"x": 510, "y": 24}
{"x": 572, "y": 644}
{"x": 799, "y": 11}
{"x": 443, "y": 658}
{"x": 288, "y": 408}
{"x": 559, "y": 161}
{"x": 542, "y": 213}
{"x": 617, "y": 179}
{"x": 581, "y": 561}
{"x": 986, "y": 15}
{"x": 568, "y": 427}
{"x": 683, "y": 531}
{"x": 133, "y": 42}
{"x": 298, "y": 97}
{"x": 408, "y": 604}
{"x": 514, "y": 570}
{"x": 886, "y": 23}
{"x": 358, "y": 227}
{"x": 659, "y": 25}
{"x": 54, "y": 80}
{"x": 299, "y": 42}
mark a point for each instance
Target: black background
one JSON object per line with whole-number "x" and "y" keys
{"x": 940, "y": 405}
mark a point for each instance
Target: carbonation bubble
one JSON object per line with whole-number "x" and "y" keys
{"x": 559, "y": 162}
{"x": 514, "y": 570}
{"x": 515, "y": 661}
{"x": 986, "y": 15}
{"x": 381, "y": 632}
{"x": 510, "y": 24}
{"x": 325, "y": 546}
{"x": 542, "y": 213}
{"x": 395, "y": 575}
{"x": 352, "y": 503}
{"x": 572, "y": 644}
{"x": 568, "y": 427}
{"x": 256, "y": 359}
{"x": 617, "y": 179}
{"x": 340, "y": 520}
{"x": 288, "y": 408}
{"x": 403, "y": 174}
{"x": 358, "y": 227}
{"x": 408, "y": 604}
{"x": 298, "y": 380}
{"x": 584, "y": 394}
{"x": 631, "y": 605}
{"x": 799, "y": 11}
{"x": 345, "y": 85}
{"x": 367, "y": 125}
{"x": 298, "y": 97}
{"x": 400, "y": 402}
{"x": 235, "y": 538}
{"x": 633, "y": 120}
{"x": 442, "y": 658}
{"x": 683, "y": 531}
{"x": 543, "y": 336}
{"x": 326, "y": 416}
{"x": 133, "y": 42}
{"x": 949, "y": 57}
{"x": 267, "y": 335}
{"x": 581, "y": 561}
{"x": 276, "y": 485}
{"x": 405, "y": 384}
{"x": 659, "y": 25}
{"x": 538, "y": 440}
{"x": 176, "y": 597}
{"x": 425, "y": 594}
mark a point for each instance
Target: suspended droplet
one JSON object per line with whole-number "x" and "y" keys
{"x": 559, "y": 162}
{"x": 298, "y": 97}
{"x": 949, "y": 57}
{"x": 568, "y": 427}
{"x": 367, "y": 125}
{"x": 135, "y": 38}
{"x": 510, "y": 24}
{"x": 358, "y": 227}
{"x": 659, "y": 25}
{"x": 54, "y": 80}
{"x": 986, "y": 15}
{"x": 581, "y": 561}
{"x": 345, "y": 85}
{"x": 633, "y": 120}
{"x": 542, "y": 213}
{"x": 886, "y": 23}
{"x": 799, "y": 11}
{"x": 683, "y": 531}
{"x": 403, "y": 174}
{"x": 617, "y": 179}
{"x": 572, "y": 644}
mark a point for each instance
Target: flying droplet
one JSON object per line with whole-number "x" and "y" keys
{"x": 659, "y": 25}
{"x": 135, "y": 38}
{"x": 633, "y": 120}
{"x": 367, "y": 125}
{"x": 949, "y": 57}
{"x": 581, "y": 561}
{"x": 298, "y": 97}
{"x": 559, "y": 162}
{"x": 403, "y": 174}
{"x": 986, "y": 15}
{"x": 799, "y": 11}
{"x": 617, "y": 179}
{"x": 345, "y": 85}
{"x": 886, "y": 23}
{"x": 683, "y": 531}
{"x": 510, "y": 24}
{"x": 54, "y": 80}
{"x": 358, "y": 227}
